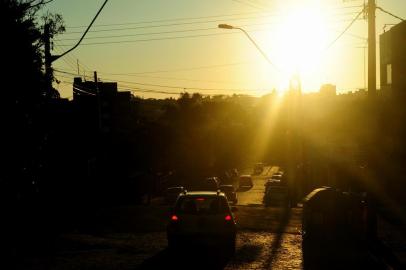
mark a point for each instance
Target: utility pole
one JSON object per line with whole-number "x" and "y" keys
{"x": 98, "y": 100}
{"x": 48, "y": 57}
{"x": 371, "y": 49}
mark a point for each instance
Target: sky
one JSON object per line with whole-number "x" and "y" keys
{"x": 159, "y": 48}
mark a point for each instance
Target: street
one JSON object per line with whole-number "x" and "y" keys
{"x": 133, "y": 237}
{"x": 254, "y": 195}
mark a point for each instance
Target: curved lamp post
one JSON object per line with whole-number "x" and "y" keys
{"x": 227, "y": 26}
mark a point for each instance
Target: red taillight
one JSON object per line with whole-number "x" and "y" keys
{"x": 228, "y": 218}
{"x": 174, "y": 218}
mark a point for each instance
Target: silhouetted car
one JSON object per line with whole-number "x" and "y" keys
{"x": 204, "y": 218}
{"x": 272, "y": 182}
{"x": 172, "y": 194}
{"x": 209, "y": 184}
{"x": 230, "y": 193}
{"x": 276, "y": 194}
{"x": 330, "y": 215}
{"x": 276, "y": 176}
{"x": 258, "y": 168}
{"x": 246, "y": 181}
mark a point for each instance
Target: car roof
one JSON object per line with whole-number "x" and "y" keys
{"x": 203, "y": 193}
{"x": 174, "y": 188}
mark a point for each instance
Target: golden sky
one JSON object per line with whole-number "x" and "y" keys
{"x": 162, "y": 47}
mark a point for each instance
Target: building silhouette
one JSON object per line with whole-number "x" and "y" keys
{"x": 393, "y": 60}
{"x": 102, "y": 102}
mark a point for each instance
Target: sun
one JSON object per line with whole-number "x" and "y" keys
{"x": 301, "y": 36}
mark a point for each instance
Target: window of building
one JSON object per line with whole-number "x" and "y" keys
{"x": 389, "y": 73}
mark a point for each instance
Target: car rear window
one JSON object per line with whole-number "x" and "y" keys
{"x": 197, "y": 205}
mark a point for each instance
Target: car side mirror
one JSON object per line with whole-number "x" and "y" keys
{"x": 234, "y": 209}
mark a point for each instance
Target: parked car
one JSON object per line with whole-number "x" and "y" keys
{"x": 276, "y": 195}
{"x": 258, "y": 168}
{"x": 272, "y": 182}
{"x": 246, "y": 181}
{"x": 210, "y": 184}
{"x": 172, "y": 193}
{"x": 205, "y": 184}
{"x": 203, "y": 218}
{"x": 230, "y": 193}
{"x": 332, "y": 215}
{"x": 277, "y": 176}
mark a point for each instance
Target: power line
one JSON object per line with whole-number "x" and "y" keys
{"x": 143, "y": 34}
{"x": 389, "y": 13}
{"x": 345, "y": 30}
{"x": 181, "y": 69}
{"x": 178, "y": 24}
{"x": 55, "y": 57}
{"x": 72, "y": 56}
{"x": 167, "y": 25}
{"x": 171, "y": 86}
{"x": 192, "y": 18}
{"x": 153, "y": 39}
{"x": 159, "y": 77}
{"x": 151, "y": 91}
{"x": 249, "y": 4}
{"x": 162, "y": 38}
{"x": 130, "y": 88}
{"x": 162, "y": 32}
{"x": 174, "y": 19}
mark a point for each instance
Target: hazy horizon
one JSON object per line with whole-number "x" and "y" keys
{"x": 175, "y": 46}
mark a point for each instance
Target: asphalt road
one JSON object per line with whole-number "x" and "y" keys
{"x": 133, "y": 237}
{"x": 255, "y": 195}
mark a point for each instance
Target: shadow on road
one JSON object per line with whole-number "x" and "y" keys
{"x": 186, "y": 258}
{"x": 247, "y": 253}
{"x": 280, "y": 230}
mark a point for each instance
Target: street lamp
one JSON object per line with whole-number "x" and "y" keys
{"x": 227, "y": 26}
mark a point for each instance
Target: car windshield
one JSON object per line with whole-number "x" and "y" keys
{"x": 197, "y": 205}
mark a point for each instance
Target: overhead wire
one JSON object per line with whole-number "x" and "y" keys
{"x": 345, "y": 30}
{"x": 182, "y": 23}
{"x": 163, "y": 32}
{"x": 192, "y": 18}
{"x": 157, "y": 77}
{"x": 389, "y": 13}
{"x": 171, "y": 20}
{"x": 172, "y": 86}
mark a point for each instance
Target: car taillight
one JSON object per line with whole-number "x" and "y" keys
{"x": 174, "y": 218}
{"x": 228, "y": 218}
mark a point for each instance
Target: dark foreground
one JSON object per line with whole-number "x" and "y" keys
{"x": 269, "y": 238}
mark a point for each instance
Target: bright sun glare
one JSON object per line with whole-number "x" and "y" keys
{"x": 300, "y": 38}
